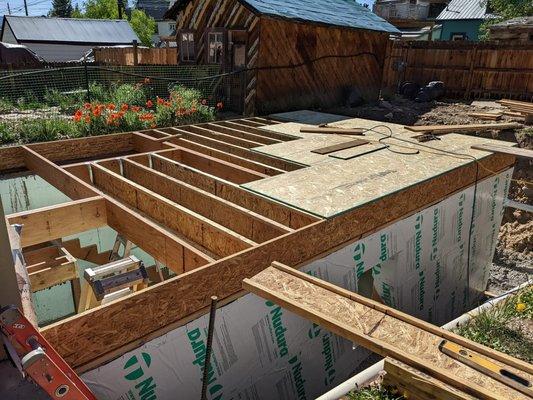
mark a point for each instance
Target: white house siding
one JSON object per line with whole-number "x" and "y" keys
{"x": 58, "y": 52}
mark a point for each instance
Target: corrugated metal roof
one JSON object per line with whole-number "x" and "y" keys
{"x": 344, "y": 13}
{"x": 465, "y": 9}
{"x": 154, "y": 8}
{"x": 71, "y": 30}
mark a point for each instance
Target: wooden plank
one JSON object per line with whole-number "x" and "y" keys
{"x": 238, "y": 219}
{"x": 54, "y": 222}
{"x": 374, "y": 330}
{"x": 411, "y": 381}
{"x": 151, "y": 237}
{"x": 513, "y": 151}
{"x": 442, "y": 129}
{"x": 237, "y": 150}
{"x": 200, "y": 230}
{"x": 237, "y": 124}
{"x": 233, "y": 193}
{"x": 212, "y": 165}
{"x": 93, "y": 335}
{"x": 245, "y": 143}
{"x": 340, "y": 146}
{"x": 74, "y": 187}
{"x": 487, "y": 116}
{"x": 53, "y": 275}
{"x": 334, "y": 131}
{"x": 261, "y": 140}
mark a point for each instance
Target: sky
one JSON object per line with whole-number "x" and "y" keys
{"x": 41, "y": 7}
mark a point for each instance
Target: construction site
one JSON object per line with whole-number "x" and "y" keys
{"x": 281, "y": 218}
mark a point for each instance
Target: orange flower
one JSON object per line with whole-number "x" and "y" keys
{"x": 124, "y": 107}
{"x": 78, "y": 113}
{"x": 97, "y": 112}
{"x": 204, "y": 102}
{"x": 77, "y": 118}
{"x": 160, "y": 100}
{"x": 149, "y": 104}
{"x": 146, "y": 80}
{"x": 88, "y": 118}
{"x": 168, "y": 103}
{"x": 87, "y": 106}
{"x": 111, "y": 106}
{"x": 193, "y": 110}
{"x": 220, "y": 105}
{"x": 135, "y": 108}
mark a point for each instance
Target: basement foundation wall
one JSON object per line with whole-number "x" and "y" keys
{"x": 433, "y": 264}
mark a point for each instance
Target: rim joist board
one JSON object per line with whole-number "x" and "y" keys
{"x": 383, "y": 330}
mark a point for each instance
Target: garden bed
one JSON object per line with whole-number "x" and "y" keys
{"x": 120, "y": 108}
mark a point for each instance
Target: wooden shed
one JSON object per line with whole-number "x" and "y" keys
{"x": 285, "y": 55}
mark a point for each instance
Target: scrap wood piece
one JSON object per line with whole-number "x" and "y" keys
{"x": 514, "y": 151}
{"x": 335, "y": 131}
{"x": 487, "y": 115}
{"x": 442, "y": 129}
{"x": 340, "y": 146}
{"x": 416, "y": 384}
{"x": 380, "y": 329}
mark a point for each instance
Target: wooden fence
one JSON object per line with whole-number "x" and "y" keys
{"x": 468, "y": 69}
{"x": 136, "y": 56}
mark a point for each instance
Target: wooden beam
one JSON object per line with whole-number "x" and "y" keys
{"x": 93, "y": 335}
{"x": 212, "y": 165}
{"x": 228, "y": 191}
{"x": 238, "y": 219}
{"x": 373, "y": 329}
{"x": 73, "y": 187}
{"x": 200, "y": 230}
{"x": 513, "y": 151}
{"x": 53, "y": 275}
{"x": 144, "y": 143}
{"x": 262, "y": 140}
{"x": 236, "y": 160}
{"x": 151, "y": 237}
{"x": 247, "y": 144}
{"x": 237, "y": 150}
{"x": 443, "y": 129}
{"x": 238, "y": 124}
{"x": 54, "y": 222}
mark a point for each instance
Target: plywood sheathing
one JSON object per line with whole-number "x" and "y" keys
{"x": 94, "y": 334}
{"x": 377, "y": 331}
{"x": 333, "y": 186}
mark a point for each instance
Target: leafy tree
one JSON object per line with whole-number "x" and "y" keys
{"x": 142, "y": 24}
{"x": 504, "y": 10}
{"x": 61, "y": 8}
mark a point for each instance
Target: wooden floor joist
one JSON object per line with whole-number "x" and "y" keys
{"x": 282, "y": 137}
{"x": 381, "y": 330}
{"x": 205, "y": 131}
{"x": 235, "y": 131}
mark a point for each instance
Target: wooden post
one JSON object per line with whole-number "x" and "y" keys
{"x": 13, "y": 275}
{"x": 473, "y": 62}
{"x": 135, "y": 53}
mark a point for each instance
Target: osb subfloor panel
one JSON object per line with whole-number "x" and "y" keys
{"x": 331, "y": 186}
{"x": 330, "y": 309}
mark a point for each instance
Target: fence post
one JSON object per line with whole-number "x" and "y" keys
{"x": 135, "y": 53}
{"x": 87, "y": 86}
{"x": 473, "y": 61}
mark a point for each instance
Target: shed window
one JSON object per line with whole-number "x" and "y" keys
{"x": 215, "y": 46}
{"x": 187, "y": 48}
{"x": 458, "y": 36}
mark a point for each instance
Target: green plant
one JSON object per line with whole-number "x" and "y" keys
{"x": 5, "y": 106}
{"x": 373, "y": 393}
{"x": 46, "y": 129}
{"x": 128, "y": 94}
{"x": 500, "y": 327}
{"x": 29, "y": 101}
{"x": 67, "y": 102}
{"x": 98, "y": 92}
{"x": 7, "y": 133}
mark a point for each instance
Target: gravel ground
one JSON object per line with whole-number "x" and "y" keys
{"x": 513, "y": 259}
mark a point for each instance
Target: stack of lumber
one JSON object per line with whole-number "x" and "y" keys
{"x": 443, "y": 129}
{"x": 518, "y": 107}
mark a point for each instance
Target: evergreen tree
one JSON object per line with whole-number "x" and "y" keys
{"x": 61, "y": 8}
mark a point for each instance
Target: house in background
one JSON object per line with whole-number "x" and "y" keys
{"x": 296, "y": 54}
{"x": 415, "y": 18}
{"x": 461, "y": 19}
{"x": 157, "y": 9}
{"x": 65, "y": 39}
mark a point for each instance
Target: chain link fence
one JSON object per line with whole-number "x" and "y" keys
{"x": 41, "y": 104}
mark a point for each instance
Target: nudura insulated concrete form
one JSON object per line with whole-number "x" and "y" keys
{"x": 210, "y": 203}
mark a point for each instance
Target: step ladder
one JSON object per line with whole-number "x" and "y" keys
{"x": 35, "y": 358}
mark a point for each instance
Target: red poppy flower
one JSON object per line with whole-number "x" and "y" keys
{"x": 124, "y": 107}
{"x": 220, "y": 105}
{"x": 111, "y": 106}
{"x": 149, "y": 104}
{"x": 87, "y": 106}
{"x": 87, "y": 118}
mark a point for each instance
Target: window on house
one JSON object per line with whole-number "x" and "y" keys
{"x": 187, "y": 48}
{"x": 458, "y": 36}
{"x": 215, "y": 47}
